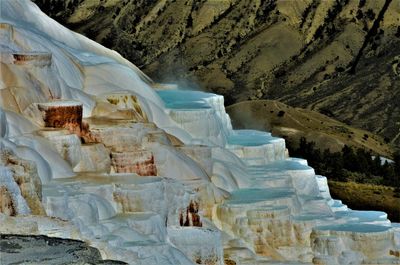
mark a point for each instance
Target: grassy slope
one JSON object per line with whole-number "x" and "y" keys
{"x": 367, "y": 197}
{"x": 297, "y": 123}
{"x": 298, "y": 52}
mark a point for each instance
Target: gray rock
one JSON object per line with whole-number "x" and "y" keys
{"x": 32, "y": 249}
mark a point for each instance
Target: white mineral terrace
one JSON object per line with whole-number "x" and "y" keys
{"x": 60, "y": 103}
{"x": 157, "y": 177}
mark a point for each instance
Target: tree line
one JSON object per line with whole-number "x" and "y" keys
{"x": 350, "y": 163}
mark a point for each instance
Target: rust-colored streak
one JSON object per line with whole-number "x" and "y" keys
{"x": 395, "y": 253}
{"x": 41, "y": 58}
{"x": 6, "y": 203}
{"x": 141, "y": 163}
{"x": 191, "y": 217}
{"x": 68, "y": 117}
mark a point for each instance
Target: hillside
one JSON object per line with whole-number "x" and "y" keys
{"x": 337, "y": 57}
{"x": 293, "y": 123}
{"x": 367, "y": 197}
{"x": 98, "y": 163}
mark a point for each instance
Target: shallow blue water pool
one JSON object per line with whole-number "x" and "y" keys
{"x": 251, "y": 195}
{"x": 359, "y": 228}
{"x": 184, "y": 99}
{"x": 249, "y": 138}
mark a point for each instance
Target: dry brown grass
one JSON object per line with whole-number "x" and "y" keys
{"x": 367, "y": 197}
{"x": 296, "y": 123}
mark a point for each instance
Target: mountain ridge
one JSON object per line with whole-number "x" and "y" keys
{"x": 90, "y": 151}
{"x": 303, "y": 53}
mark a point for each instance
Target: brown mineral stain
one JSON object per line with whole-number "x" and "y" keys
{"x": 6, "y": 203}
{"x": 395, "y": 253}
{"x": 191, "y": 217}
{"x": 23, "y": 58}
{"x": 229, "y": 262}
{"x": 68, "y": 117}
{"x": 140, "y": 162}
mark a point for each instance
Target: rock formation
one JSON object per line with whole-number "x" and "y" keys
{"x": 91, "y": 151}
{"x": 62, "y": 114}
{"x": 25, "y": 197}
{"x": 49, "y": 250}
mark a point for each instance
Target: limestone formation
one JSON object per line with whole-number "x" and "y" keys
{"x": 94, "y": 158}
{"x": 171, "y": 184}
{"x": 336, "y": 57}
{"x": 62, "y": 114}
{"x": 42, "y": 59}
{"x": 68, "y": 145}
{"x": 6, "y": 203}
{"x": 190, "y": 217}
{"x": 21, "y": 174}
{"x": 139, "y": 162}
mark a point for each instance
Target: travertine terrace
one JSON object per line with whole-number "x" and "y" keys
{"x": 91, "y": 151}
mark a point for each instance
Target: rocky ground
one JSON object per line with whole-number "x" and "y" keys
{"x": 31, "y": 249}
{"x": 337, "y": 57}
